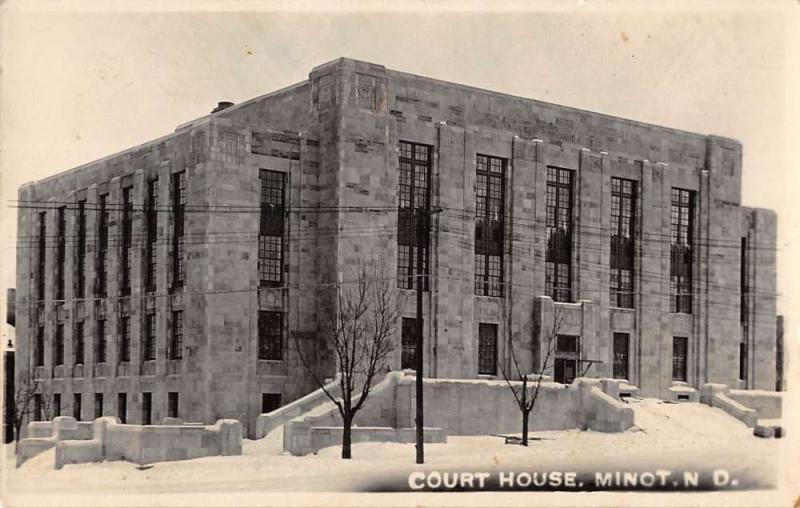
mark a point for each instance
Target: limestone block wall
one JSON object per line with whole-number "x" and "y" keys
{"x": 89, "y": 377}
{"x": 144, "y": 444}
{"x": 718, "y": 395}
{"x": 336, "y": 138}
{"x": 465, "y": 407}
{"x": 600, "y": 409}
{"x": 322, "y": 437}
{"x": 267, "y": 422}
{"x": 470, "y": 407}
{"x": 767, "y": 404}
{"x": 140, "y": 444}
{"x": 45, "y": 435}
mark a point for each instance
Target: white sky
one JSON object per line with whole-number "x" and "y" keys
{"x": 81, "y": 81}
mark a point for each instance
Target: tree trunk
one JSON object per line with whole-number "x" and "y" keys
{"x": 346, "y": 437}
{"x": 525, "y": 415}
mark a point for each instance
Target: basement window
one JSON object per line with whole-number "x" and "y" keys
{"x": 270, "y": 402}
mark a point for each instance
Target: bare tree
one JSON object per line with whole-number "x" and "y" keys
{"x": 527, "y": 401}
{"x": 358, "y": 324}
{"x": 24, "y": 404}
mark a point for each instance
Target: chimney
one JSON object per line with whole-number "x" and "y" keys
{"x": 222, "y": 105}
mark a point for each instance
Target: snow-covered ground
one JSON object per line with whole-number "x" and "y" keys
{"x": 671, "y": 436}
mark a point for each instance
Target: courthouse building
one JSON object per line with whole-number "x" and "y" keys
{"x": 176, "y": 278}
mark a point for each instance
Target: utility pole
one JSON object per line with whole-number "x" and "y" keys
{"x": 422, "y": 239}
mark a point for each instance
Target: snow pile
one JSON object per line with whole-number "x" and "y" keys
{"x": 666, "y": 435}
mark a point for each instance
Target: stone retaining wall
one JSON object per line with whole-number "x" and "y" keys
{"x": 323, "y": 437}
{"x": 107, "y": 439}
{"x": 718, "y": 395}
{"x": 470, "y": 407}
{"x": 767, "y": 404}
{"x": 266, "y": 422}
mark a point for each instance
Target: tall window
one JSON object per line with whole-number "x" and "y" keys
{"x": 487, "y": 348}
{"x": 79, "y": 352}
{"x": 37, "y": 407}
{"x": 152, "y": 234}
{"x": 149, "y": 352}
{"x": 80, "y": 258}
{"x": 127, "y": 239}
{"x": 681, "y": 258}
{"x": 744, "y": 283}
{"x": 176, "y": 342}
{"x": 102, "y": 247}
{"x": 272, "y": 227}
{"x": 122, "y": 407}
{"x": 40, "y": 346}
{"x": 178, "y": 247}
{"x": 623, "y": 219}
{"x": 680, "y": 348}
{"x": 61, "y": 226}
{"x": 56, "y": 405}
{"x": 59, "y": 345}
{"x": 100, "y": 350}
{"x": 76, "y": 406}
{"x": 147, "y": 408}
{"x": 125, "y": 338}
{"x": 408, "y": 343}
{"x": 743, "y": 361}
{"x": 98, "y": 405}
{"x": 42, "y": 255}
{"x": 744, "y": 302}
{"x": 567, "y": 357}
{"x": 172, "y": 404}
{"x": 621, "y": 342}
{"x": 558, "y": 258}
{"x": 414, "y": 203}
{"x": 270, "y": 335}
{"x": 489, "y": 225}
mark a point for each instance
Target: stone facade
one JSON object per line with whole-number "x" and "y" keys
{"x": 336, "y": 137}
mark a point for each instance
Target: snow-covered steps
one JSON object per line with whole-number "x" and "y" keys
{"x": 627, "y": 391}
{"x": 680, "y": 391}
